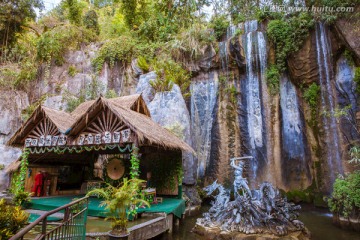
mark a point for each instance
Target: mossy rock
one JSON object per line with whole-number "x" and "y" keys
{"x": 300, "y": 196}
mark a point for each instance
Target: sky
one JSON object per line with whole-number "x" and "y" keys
{"x": 48, "y": 4}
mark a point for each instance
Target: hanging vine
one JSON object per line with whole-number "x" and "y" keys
{"x": 18, "y": 184}
{"x": 135, "y": 164}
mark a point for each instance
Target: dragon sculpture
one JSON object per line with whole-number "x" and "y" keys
{"x": 261, "y": 210}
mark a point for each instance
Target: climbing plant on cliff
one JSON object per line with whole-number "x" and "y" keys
{"x": 311, "y": 96}
{"x": 287, "y": 35}
{"x": 273, "y": 79}
{"x": 121, "y": 50}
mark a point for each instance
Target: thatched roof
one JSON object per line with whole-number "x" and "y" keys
{"x": 131, "y": 110}
{"x": 147, "y": 131}
{"x": 134, "y": 102}
{"x": 60, "y": 119}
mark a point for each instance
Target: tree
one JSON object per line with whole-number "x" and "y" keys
{"x": 74, "y": 11}
{"x": 14, "y": 15}
{"x": 91, "y": 21}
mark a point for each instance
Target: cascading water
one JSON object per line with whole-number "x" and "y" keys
{"x": 293, "y": 160}
{"x": 223, "y": 49}
{"x": 203, "y": 101}
{"x": 328, "y": 103}
{"x": 255, "y": 51}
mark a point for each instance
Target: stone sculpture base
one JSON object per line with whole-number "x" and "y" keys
{"x": 215, "y": 233}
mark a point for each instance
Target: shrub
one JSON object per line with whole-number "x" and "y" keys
{"x": 288, "y": 34}
{"x": 21, "y": 198}
{"x": 26, "y": 112}
{"x": 142, "y": 63}
{"x": 220, "y": 24}
{"x": 346, "y": 195}
{"x": 111, "y": 94}
{"x": 273, "y": 79}
{"x": 72, "y": 71}
{"x": 90, "y": 21}
{"x": 53, "y": 44}
{"x": 121, "y": 49}
{"x": 311, "y": 96}
{"x": 12, "y": 219}
{"x": 169, "y": 72}
{"x": 190, "y": 43}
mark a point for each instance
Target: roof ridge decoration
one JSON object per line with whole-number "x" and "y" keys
{"x": 132, "y": 114}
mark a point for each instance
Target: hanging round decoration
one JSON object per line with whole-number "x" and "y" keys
{"x": 115, "y": 169}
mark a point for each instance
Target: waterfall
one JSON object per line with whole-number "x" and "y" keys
{"x": 293, "y": 139}
{"x": 294, "y": 166}
{"x": 224, "y": 46}
{"x": 328, "y": 103}
{"x": 203, "y": 101}
{"x": 255, "y": 51}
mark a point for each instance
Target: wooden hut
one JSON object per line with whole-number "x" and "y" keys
{"x": 94, "y": 143}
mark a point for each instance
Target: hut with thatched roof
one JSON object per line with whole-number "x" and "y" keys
{"x": 98, "y": 142}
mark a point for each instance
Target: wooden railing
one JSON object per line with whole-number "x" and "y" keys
{"x": 73, "y": 225}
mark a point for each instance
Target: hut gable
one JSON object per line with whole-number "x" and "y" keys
{"x": 134, "y": 102}
{"x": 129, "y": 124}
{"x": 101, "y": 121}
{"x": 43, "y": 122}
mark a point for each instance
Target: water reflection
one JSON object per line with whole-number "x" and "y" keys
{"x": 317, "y": 220}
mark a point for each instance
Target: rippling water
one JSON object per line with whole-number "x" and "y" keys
{"x": 317, "y": 220}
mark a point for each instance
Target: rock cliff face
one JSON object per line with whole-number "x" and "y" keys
{"x": 230, "y": 112}
{"x": 11, "y": 105}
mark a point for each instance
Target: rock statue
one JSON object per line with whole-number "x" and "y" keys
{"x": 260, "y": 211}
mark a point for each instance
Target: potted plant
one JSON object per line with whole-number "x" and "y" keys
{"x": 119, "y": 202}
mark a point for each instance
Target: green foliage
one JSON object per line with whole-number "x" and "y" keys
{"x": 169, "y": 72}
{"x": 273, "y": 79}
{"x": 357, "y": 79}
{"x": 111, "y": 94}
{"x": 349, "y": 56}
{"x": 345, "y": 198}
{"x": 90, "y": 92}
{"x": 26, "y": 112}
{"x": 18, "y": 180}
{"x": 311, "y": 96}
{"x": 220, "y": 24}
{"x": 168, "y": 170}
{"x": 19, "y": 67}
{"x": 355, "y": 155}
{"x": 12, "y": 219}
{"x": 14, "y": 15}
{"x": 190, "y": 43}
{"x": 135, "y": 164}
{"x": 21, "y": 198}
{"x": 18, "y": 76}
{"x": 74, "y": 11}
{"x": 72, "y": 71}
{"x": 2, "y": 166}
{"x": 232, "y": 93}
{"x": 121, "y": 50}
{"x": 90, "y": 21}
{"x": 331, "y": 16}
{"x": 53, "y": 44}
{"x": 143, "y": 64}
{"x": 118, "y": 200}
{"x": 287, "y": 35}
